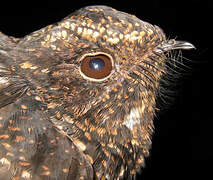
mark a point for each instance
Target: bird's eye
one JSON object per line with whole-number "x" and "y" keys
{"x": 97, "y": 63}
{"x": 96, "y": 67}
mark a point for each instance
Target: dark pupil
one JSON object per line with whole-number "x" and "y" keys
{"x": 96, "y": 64}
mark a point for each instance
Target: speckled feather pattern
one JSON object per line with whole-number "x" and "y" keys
{"x": 58, "y": 119}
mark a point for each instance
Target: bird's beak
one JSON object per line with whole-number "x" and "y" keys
{"x": 173, "y": 44}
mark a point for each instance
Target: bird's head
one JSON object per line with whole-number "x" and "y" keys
{"x": 97, "y": 72}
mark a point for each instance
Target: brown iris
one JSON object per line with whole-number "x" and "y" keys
{"x": 96, "y": 66}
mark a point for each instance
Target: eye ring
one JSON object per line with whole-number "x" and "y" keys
{"x": 96, "y": 66}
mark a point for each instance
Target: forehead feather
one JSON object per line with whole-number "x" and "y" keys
{"x": 102, "y": 23}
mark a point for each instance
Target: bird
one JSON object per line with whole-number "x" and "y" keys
{"x": 78, "y": 97}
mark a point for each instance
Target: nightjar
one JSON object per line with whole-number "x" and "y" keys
{"x": 78, "y": 97}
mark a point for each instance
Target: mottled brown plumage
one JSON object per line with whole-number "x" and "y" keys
{"x": 77, "y": 98}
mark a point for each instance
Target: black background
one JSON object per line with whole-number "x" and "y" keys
{"x": 182, "y": 143}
